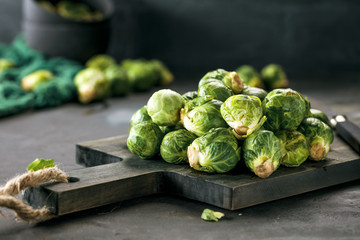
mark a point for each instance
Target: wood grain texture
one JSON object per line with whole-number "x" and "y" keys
{"x": 114, "y": 174}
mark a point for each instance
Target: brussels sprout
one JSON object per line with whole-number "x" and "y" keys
{"x": 315, "y": 113}
{"x": 32, "y": 81}
{"x": 141, "y": 74}
{"x": 6, "y": 64}
{"x": 202, "y": 118}
{"x": 173, "y": 148}
{"x": 230, "y": 79}
{"x": 254, "y": 91}
{"x": 210, "y": 215}
{"x": 164, "y": 107}
{"x": 319, "y": 136}
{"x": 101, "y": 62}
{"x": 243, "y": 113}
{"x": 250, "y": 76}
{"x": 189, "y": 95}
{"x": 215, "y": 88}
{"x": 261, "y": 151}
{"x": 167, "y": 129}
{"x": 284, "y": 109}
{"x": 77, "y": 11}
{"x": 274, "y": 76}
{"x": 215, "y": 151}
{"x": 120, "y": 84}
{"x": 165, "y": 76}
{"x": 47, "y": 5}
{"x": 144, "y": 139}
{"x": 141, "y": 115}
{"x": 293, "y": 146}
{"x": 91, "y": 85}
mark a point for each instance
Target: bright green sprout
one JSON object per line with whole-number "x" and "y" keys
{"x": 315, "y": 113}
{"x": 39, "y": 164}
{"x": 6, "y": 64}
{"x": 250, "y": 76}
{"x": 141, "y": 115}
{"x": 32, "y": 81}
{"x": 230, "y": 79}
{"x": 215, "y": 88}
{"x": 274, "y": 76}
{"x": 101, "y": 62}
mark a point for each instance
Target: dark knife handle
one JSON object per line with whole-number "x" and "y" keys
{"x": 348, "y": 131}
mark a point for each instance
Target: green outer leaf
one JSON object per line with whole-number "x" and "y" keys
{"x": 39, "y": 164}
{"x": 215, "y": 88}
{"x": 210, "y": 215}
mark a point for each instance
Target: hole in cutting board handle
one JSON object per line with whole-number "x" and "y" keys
{"x": 73, "y": 179}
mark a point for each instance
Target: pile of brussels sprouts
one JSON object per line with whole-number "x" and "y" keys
{"x": 103, "y": 77}
{"x": 227, "y": 124}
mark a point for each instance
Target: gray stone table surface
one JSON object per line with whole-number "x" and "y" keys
{"x": 330, "y": 213}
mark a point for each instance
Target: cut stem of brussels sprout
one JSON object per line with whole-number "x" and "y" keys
{"x": 318, "y": 149}
{"x": 265, "y": 169}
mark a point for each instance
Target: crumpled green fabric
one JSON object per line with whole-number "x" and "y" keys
{"x": 58, "y": 91}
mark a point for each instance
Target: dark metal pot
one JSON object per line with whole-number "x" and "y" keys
{"x": 55, "y": 36}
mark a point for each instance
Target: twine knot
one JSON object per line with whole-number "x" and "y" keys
{"x": 22, "y": 182}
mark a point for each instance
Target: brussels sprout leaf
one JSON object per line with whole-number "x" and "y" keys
{"x": 39, "y": 164}
{"x": 210, "y": 215}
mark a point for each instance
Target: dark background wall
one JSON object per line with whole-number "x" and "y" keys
{"x": 200, "y": 35}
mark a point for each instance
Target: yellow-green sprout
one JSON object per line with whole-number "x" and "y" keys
{"x": 6, "y": 64}
{"x": 77, "y": 11}
{"x": 274, "y": 76}
{"x": 120, "y": 84}
{"x": 216, "y": 151}
{"x": 91, "y": 85}
{"x": 101, "y": 62}
{"x": 32, "y": 81}
{"x": 144, "y": 139}
{"x": 262, "y": 154}
{"x": 294, "y": 147}
{"x": 230, "y": 79}
{"x": 250, "y": 76}
{"x": 215, "y": 88}
{"x": 243, "y": 114}
{"x": 164, "y": 107}
{"x": 319, "y": 136}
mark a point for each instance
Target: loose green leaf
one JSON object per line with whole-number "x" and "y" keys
{"x": 39, "y": 164}
{"x": 210, "y": 215}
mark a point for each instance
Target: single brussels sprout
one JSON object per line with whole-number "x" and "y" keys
{"x": 77, "y": 11}
{"x": 274, "y": 76}
{"x": 284, "y": 109}
{"x": 6, "y": 64}
{"x": 141, "y": 74}
{"x": 254, "y": 91}
{"x": 294, "y": 147}
{"x": 215, "y": 88}
{"x": 315, "y": 113}
{"x": 319, "y": 136}
{"x": 120, "y": 84}
{"x": 144, "y": 139}
{"x": 91, "y": 85}
{"x": 165, "y": 76}
{"x": 164, "y": 107}
{"x": 46, "y": 4}
{"x": 262, "y": 154}
{"x": 202, "y": 118}
{"x": 250, "y": 76}
{"x": 101, "y": 62}
{"x": 243, "y": 113}
{"x": 215, "y": 151}
{"x": 32, "y": 81}
{"x": 141, "y": 115}
{"x": 230, "y": 79}
{"x": 167, "y": 129}
{"x": 173, "y": 148}
{"x": 189, "y": 95}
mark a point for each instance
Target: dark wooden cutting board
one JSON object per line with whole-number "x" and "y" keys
{"x": 114, "y": 174}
